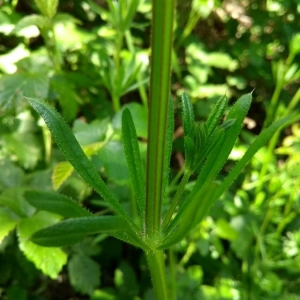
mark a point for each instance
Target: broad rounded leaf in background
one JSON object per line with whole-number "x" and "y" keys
{"x": 49, "y": 260}
{"x": 84, "y": 273}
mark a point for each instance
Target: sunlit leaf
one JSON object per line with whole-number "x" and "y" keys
{"x": 8, "y": 222}
{"x": 62, "y": 171}
{"x": 49, "y": 260}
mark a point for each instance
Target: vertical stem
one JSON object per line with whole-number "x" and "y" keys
{"x": 172, "y": 268}
{"x": 158, "y": 274}
{"x": 161, "y": 46}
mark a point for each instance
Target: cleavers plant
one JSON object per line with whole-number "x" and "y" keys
{"x": 207, "y": 147}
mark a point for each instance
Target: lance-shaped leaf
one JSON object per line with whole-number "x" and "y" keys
{"x": 260, "y": 141}
{"x": 215, "y": 116}
{"x": 70, "y": 147}
{"x": 133, "y": 158}
{"x": 187, "y": 114}
{"x": 56, "y": 203}
{"x": 72, "y": 231}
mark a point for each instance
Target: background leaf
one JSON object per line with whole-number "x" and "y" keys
{"x": 84, "y": 273}
{"x": 56, "y": 203}
{"x": 8, "y": 222}
{"x": 50, "y": 261}
{"x": 15, "y": 86}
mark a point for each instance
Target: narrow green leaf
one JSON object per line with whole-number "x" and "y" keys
{"x": 130, "y": 11}
{"x": 169, "y": 143}
{"x": 71, "y": 231}
{"x": 56, "y": 203}
{"x": 215, "y": 116}
{"x": 207, "y": 197}
{"x": 133, "y": 158}
{"x": 219, "y": 154}
{"x": 187, "y": 114}
{"x": 75, "y": 155}
{"x": 216, "y": 160}
{"x": 190, "y": 216}
{"x": 260, "y": 140}
{"x": 189, "y": 154}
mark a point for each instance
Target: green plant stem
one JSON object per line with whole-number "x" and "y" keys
{"x": 117, "y": 59}
{"x": 161, "y": 46}
{"x": 264, "y": 169}
{"x": 295, "y": 100}
{"x": 158, "y": 274}
{"x": 273, "y": 103}
{"x": 176, "y": 199}
{"x": 172, "y": 268}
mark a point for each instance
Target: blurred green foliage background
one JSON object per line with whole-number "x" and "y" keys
{"x": 90, "y": 59}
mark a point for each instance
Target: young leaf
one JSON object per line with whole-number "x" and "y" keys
{"x": 213, "y": 163}
{"x": 75, "y": 155}
{"x": 216, "y": 114}
{"x": 189, "y": 154}
{"x": 71, "y": 231}
{"x": 56, "y": 203}
{"x": 133, "y": 158}
{"x": 187, "y": 114}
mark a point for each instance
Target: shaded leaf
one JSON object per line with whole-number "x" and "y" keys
{"x": 84, "y": 273}
{"x": 56, "y": 203}
{"x": 72, "y": 231}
